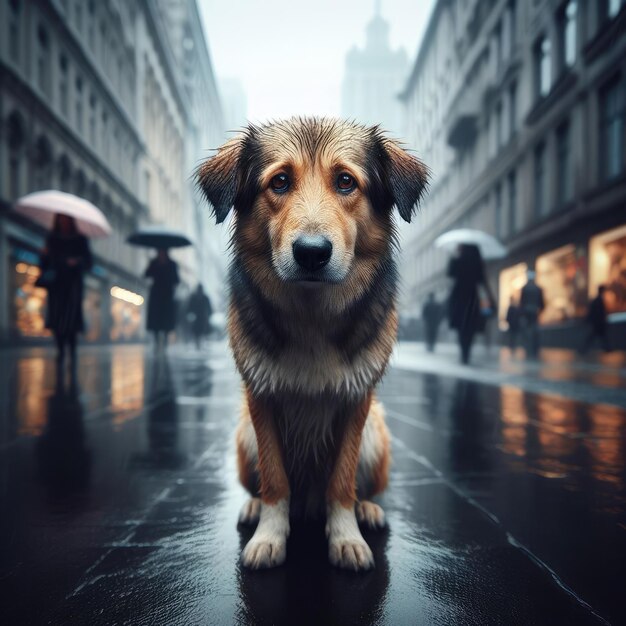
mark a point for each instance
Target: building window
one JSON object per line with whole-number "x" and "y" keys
{"x": 612, "y": 134}
{"x": 498, "y": 210}
{"x": 543, "y": 70}
{"x": 512, "y": 109}
{"x": 79, "y": 104}
{"x": 43, "y": 74}
{"x": 565, "y": 174}
{"x": 499, "y": 126}
{"x": 63, "y": 85}
{"x": 90, "y": 24}
{"x": 65, "y": 173}
{"x": 512, "y": 184}
{"x": 541, "y": 204}
{"x": 42, "y": 161}
{"x": 78, "y": 15}
{"x": 513, "y": 23}
{"x": 608, "y": 9}
{"x": 14, "y": 30}
{"x": 566, "y": 20}
{"x": 105, "y": 136}
{"x": 92, "y": 121}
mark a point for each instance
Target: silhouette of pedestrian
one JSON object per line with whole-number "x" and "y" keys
{"x": 199, "y": 310}
{"x": 464, "y": 314}
{"x": 431, "y": 317}
{"x": 161, "y": 306}
{"x": 531, "y": 305}
{"x": 597, "y": 321}
{"x": 64, "y": 261}
{"x": 513, "y": 319}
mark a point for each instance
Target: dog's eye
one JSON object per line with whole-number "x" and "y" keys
{"x": 280, "y": 183}
{"x": 345, "y": 183}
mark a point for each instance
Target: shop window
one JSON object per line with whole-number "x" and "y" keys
{"x": 510, "y": 284}
{"x": 29, "y": 302}
{"x": 607, "y": 266}
{"x": 612, "y": 128}
{"x": 92, "y": 307}
{"x": 561, "y": 274}
{"x": 126, "y": 314}
{"x": 565, "y": 174}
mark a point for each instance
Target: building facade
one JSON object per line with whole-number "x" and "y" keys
{"x": 90, "y": 103}
{"x": 519, "y": 110}
{"x": 374, "y": 76}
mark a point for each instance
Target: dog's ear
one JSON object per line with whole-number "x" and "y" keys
{"x": 406, "y": 177}
{"x": 218, "y": 177}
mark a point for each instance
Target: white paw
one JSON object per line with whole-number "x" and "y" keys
{"x": 264, "y": 552}
{"x": 346, "y": 546}
{"x": 350, "y": 553}
{"x": 268, "y": 546}
{"x": 370, "y": 514}
{"x": 250, "y": 512}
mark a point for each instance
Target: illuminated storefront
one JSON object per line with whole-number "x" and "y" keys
{"x": 512, "y": 279}
{"x": 562, "y": 275}
{"x": 28, "y": 307}
{"x": 607, "y": 266}
{"x": 126, "y": 315}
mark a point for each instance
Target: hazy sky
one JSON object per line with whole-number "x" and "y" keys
{"x": 289, "y": 56}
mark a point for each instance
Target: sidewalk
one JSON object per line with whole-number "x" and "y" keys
{"x": 595, "y": 378}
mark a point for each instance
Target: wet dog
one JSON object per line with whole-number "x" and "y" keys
{"x": 312, "y": 320}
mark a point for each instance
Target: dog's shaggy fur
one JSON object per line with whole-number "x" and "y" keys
{"x": 311, "y": 343}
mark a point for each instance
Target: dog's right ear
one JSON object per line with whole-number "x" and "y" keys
{"x": 219, "y": 176}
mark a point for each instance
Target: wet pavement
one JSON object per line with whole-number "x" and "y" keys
{"x": 119, "y": 498}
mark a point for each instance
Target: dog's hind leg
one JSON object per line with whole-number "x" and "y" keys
{"x": 373, "y": 471}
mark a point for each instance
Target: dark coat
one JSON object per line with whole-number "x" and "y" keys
{"x": 199, "y": 306}
{"x": 531, "y": 301}
{"x": 596, "y": 316}
{"x": 161, "y": 305}
{"x": 464, "y": 302}
{"x": 64, "y": 315}
{"x": 513, "y": 317}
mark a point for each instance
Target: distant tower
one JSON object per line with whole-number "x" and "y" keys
{"x": 374, "y": 76}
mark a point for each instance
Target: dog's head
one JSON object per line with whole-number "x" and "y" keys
{"x": 314, "y": 196}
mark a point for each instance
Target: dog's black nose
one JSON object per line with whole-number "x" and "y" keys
{"x": 312, "y": 252}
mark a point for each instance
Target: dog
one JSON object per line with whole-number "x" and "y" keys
{"x": 312, "y": 320}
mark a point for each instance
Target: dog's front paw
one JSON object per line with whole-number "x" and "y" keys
{"x": 351, "y": 553}
{"x": 370, "y": 514}
{"x": 261, "y": 553}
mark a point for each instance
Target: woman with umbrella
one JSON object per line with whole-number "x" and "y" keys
{"x": 161, "y": 306}
{"x": 468, "y": 273}
{"x": 64, "y": 260}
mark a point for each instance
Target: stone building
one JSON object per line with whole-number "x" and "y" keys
{"x": 91, "y": 102}
{"x": 519, "y": 110}
{"x": 373, "y": 78}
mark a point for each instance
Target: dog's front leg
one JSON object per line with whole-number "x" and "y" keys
{"x": 346, "y": 546}
{"x": 268, "y": 546}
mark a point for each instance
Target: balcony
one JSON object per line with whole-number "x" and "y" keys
{"x": 463, "y": 125}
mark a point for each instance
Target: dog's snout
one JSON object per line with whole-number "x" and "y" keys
{"x": 312, "y": 252}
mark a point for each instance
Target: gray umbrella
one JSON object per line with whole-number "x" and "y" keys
{"x": 159, "y": 237}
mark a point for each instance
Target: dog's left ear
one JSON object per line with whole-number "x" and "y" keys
{"x": 218, "y": 177}
{"x": 407, "y": 178}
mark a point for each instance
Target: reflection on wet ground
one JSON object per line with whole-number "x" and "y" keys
{"x": 119, "y": 503}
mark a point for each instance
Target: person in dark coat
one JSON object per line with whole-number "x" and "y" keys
{"x": 513, "y": 319}
{"x": 431, "y": 317}
{"x": 199, "y": 311}
{"x": 468, "y": 273}
{"x": 597, "y": 321}
{"x": 161, "y": 306}
{"x": 64, "y": 261}
{"x": 531, "y": 305}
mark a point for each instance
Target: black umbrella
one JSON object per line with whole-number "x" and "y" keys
{"x": 159, "y": 237}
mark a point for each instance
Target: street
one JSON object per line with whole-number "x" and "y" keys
{"x": 119, "y": 498}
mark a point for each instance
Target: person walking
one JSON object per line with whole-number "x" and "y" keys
{"x": 199, "y": 311}
{"x": 597, "y": 321}
{"x": 531, "y": 305}
{"x": 161, "y": 306}
{"x": 431, "y": 317}
{"x": 464, "y": 314}
{"x": 64, "y": 261}
{"x": 513, "y": 319}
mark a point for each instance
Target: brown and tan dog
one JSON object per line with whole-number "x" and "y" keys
{"x": 312, "y": 320}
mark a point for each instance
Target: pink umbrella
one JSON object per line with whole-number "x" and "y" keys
{"x": 42, "y": 206}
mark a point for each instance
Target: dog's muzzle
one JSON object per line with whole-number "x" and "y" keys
{"x": 312, "y": 252}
